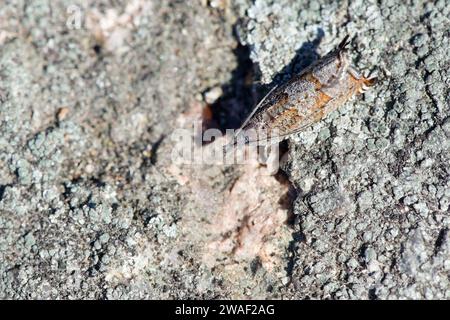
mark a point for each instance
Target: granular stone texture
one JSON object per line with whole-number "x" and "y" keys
{"x": 92, "y": 207}
{"x": 373, "y": 177}
{"x": 84, "y": 212}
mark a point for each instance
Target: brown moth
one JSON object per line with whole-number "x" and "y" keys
{"x": 306, "y": 98}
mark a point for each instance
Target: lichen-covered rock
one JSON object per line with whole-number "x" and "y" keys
{"x": 366, "y": 187}
{"x": 91, "y": 205}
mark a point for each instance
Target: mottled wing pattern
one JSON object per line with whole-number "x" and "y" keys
{"x": 305, "y": 99}
{"x": 289, "y": 109}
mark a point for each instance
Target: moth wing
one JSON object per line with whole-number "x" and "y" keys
{"x": 258, "y": 106}
{"x": 284, "y": 135}
{"x": 233, "y": 142}
{"x": 227, "y": 148}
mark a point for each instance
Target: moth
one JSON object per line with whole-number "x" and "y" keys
{"x": 306, "y": 98}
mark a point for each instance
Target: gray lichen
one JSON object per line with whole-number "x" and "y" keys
{"x": 88, "y": 206}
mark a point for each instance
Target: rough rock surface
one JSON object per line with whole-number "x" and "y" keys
{"x": 91, "y": 205}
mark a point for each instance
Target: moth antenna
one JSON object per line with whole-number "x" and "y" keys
{"x": 344, "y": 43}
